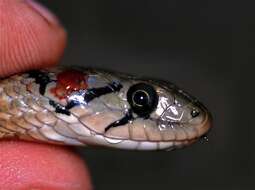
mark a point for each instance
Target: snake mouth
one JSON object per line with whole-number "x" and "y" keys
{"x": 138, "y": 137}
{"x": 202, "y": 130}
{"x": 160, "y": 129}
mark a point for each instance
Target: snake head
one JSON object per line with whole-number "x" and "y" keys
{"x": 181, "y": 119}
{"x": 158, "y": 116}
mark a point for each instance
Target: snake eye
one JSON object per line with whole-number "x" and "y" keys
{"x": 194, "y": 113}
{"x": 142, "y": 98}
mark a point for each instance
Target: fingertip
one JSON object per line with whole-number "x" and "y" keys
{"x": 43, "y": 11}
{"x": 26, "y": 165}
{"x": 30, "y": 37}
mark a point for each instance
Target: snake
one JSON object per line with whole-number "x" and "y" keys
{"x": 97, "y": 108}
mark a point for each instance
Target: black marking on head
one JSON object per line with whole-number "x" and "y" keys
{"x": 143, "y": 99}
{"x": 59, "y": 108}
{"x": 128, "y": 117}
{"x": 89, "y": 95}
{"x": 41, "y": 78}
{"x": 97, "y": 92}
{"x": 72, "y": 104}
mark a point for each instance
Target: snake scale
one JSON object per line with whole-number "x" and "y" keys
{"x": 83, "y": 106}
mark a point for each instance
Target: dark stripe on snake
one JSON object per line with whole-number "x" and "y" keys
{"x": 89, "y": 95}
{"x": 128, "y": 117}
{"x": 59, "y": 108}
{"x": 96, "y": 92}
{"x": 41, "y": 78}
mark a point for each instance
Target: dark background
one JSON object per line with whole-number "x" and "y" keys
{"x": 203, "y": 46}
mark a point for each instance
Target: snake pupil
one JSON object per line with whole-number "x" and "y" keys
{"x": 142, "y": 98}
{"x": 195, "y": 113}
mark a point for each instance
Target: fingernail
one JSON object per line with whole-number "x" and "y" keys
{"x": 43, "y": 11}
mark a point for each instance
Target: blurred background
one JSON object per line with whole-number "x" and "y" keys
{"x": 203, "y": 46}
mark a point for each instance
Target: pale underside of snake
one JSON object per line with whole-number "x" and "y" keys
{"x": 78, "y": 106}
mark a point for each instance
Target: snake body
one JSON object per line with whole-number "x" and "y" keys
{"x": 78, "y": 106}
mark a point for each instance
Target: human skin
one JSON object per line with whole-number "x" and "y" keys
{"x": 32, "y": 37}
